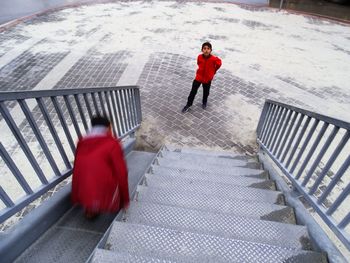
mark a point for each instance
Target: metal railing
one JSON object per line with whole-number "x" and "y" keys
{"x": 38, "y": 132}
{"x": 312, "y": 150}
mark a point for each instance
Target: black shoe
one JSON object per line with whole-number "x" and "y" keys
{"x": 204, "y": 106}
{"x": 185, "y": 109}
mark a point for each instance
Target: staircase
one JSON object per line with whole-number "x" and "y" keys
{"x": 204, "y": 206}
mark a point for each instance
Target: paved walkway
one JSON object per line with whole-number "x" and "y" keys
{"x": 295, "y": 59}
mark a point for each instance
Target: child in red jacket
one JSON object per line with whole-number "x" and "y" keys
{"x": 100, "y": 177}
{"x": 208, "y": 64}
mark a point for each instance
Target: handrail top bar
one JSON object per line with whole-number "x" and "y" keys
{"x": 33, "y": 94}
{"x": 330, "y": 120}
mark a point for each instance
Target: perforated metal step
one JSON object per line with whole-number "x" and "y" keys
{"x": 243, "y": 176}
{"x": 215, "y": 160}
{"x": 213, "y": 188}
{"x": 207, "y": 152}
{"x": 181, "y": 246}
{"x": 273, "y": 233}
{"x": 106, "y": 256}
{"x": 195, "y": 164}
{"x": 216, "y": 204}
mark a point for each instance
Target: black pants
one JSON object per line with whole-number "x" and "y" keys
{"x": 195, "y": 85}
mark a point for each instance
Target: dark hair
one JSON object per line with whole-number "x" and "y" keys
{"x": 100, "y": 120}
{"x": 207, "y": 44}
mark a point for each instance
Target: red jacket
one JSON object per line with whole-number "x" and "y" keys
{"x": 207, "y": 67}
{"x": 100, "y": 178}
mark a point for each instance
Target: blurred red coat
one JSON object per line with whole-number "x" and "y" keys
{"x": 100, "y": 178}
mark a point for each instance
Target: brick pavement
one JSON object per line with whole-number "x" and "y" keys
{"x": 237, "y": 94}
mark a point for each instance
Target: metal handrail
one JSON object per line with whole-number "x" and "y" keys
{"x": 55, "y": 119}
{"x": 297, "y": 140}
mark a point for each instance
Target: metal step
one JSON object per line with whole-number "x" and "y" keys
{"x": 194, "y": 163}
{"x": 106, "y": 256}
{"x": 181, "y": 246}
{"x": 260, "y": 231}
{"x": 196, "y": 151}
{"x": 216, "y": 160}
{"x": 217, "y": 170}
{"x": 213, "y": 188}
{"x": 216, "y": 204}
{"x": 242, "y": 176}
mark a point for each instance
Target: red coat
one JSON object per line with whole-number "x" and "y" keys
{"x": 100, "y": 178}
{"x": 207, "y": 67}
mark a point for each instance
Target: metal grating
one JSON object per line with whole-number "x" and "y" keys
{"x": 213, "y": 188}
{"x": 178, "y": 245}
{"x": 260, "y": 231}
{"x": 216, "y": 204}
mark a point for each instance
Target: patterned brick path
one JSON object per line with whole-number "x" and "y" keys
{"x": 298, "y": 60}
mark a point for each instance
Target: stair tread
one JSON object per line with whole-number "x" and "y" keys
{"x": 174, "y": 244}
{"x": 265, "y": 211}
{"x": 244, "y": 178}
{"x": 195, "y": 164}
{"x": 218, "y": 160}
{"x": 212, "y": 188}
{"x": 207, "y": 152}
{"x": 223, "y": 225}
{"x": 106, "y": 256}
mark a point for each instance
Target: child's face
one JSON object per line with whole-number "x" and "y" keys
{"x": 206, "y": 51}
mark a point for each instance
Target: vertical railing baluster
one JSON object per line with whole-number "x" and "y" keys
{"x": 116, "y": 108}
{"x": 303, "y": 147}
{"x": 120, "y": 105}
{"x": 110, "y": 114}
{"x": 63, "y": 123}
{"x": 138, "y": 106}
{"x": 5, "y": 198}
{"x": 97, "y": 110}
{"x": 262, "y": 120}
{"x": 312, "y": 149}
{"x": 104, "y": 112}
{"x": 334, "y": 180}
{"x": 14, "y": 169}
{"x": 330, "y": 162}
{"x": 297, "y": 142}
{"x": 126, "y": 108}
{"x": 87, "y": 104}
{"x": 270, "y": 123}
{"x": 72, "y": 116}
{"x": 286, "y": 136}
{"x": 344, "y": 194}
{"x": 276, "y": 128}
{"x": 125, "y": 112}
{"x": 131, "y": 108}
{"x": 291, "y": 138}
{"x": 53, "y": 132}
{"x": 21, "y": 141}
{"x": 320, "y": 155}
{"x": 345, "y": 221}
{"x": 39, "y": 136}
{"x": 80, "y": 109}
{"x": 266, "y": 120}
{"x": 276, "y": 145}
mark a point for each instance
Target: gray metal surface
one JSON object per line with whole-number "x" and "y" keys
{"x": 216, "y": 204}
{"x": 303, "y": 150}
{"x": 195, "y": 164}
{"x": 202, "y": 222}
{"x": 73, "y": 238}
{"x": 174, "y": 244}
{"x": 213, "y": 188}
{"x": 205, "y": 152}
{"x": 200, "y": 159}
{"x": 106, "y": 256}
{"x": 241, "y": 176}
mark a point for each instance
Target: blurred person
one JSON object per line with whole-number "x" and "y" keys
{"x": 100, "y": 177}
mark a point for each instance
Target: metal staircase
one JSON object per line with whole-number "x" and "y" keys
{"x": 204, "y": 206}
